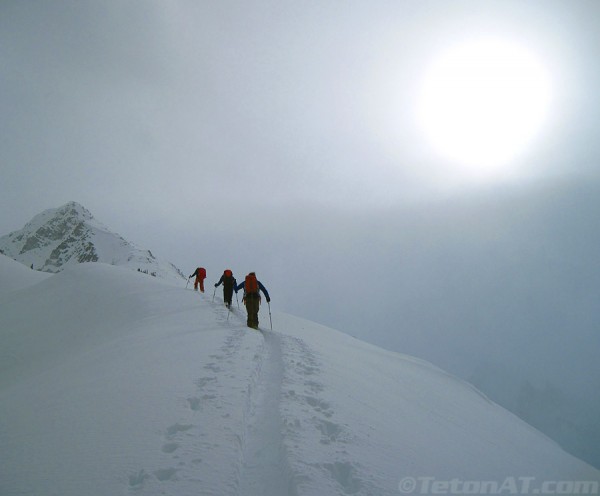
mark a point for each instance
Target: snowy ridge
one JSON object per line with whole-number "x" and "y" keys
{"x": 70, "y": 234}
{"x": 17, "y": 276}
{"x": 124, "y": 387}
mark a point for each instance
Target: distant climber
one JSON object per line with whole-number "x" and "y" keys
{"x": 229, "y": 283}
{"x": 200, "y": 275}
{"x": 251, "y": 286}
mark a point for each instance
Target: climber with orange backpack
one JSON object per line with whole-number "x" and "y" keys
{"x": 229, "y": 283}
{"x": 251, "y": 286}
{"x": 200, "y": 275}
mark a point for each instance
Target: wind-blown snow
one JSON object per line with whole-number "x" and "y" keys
{"x": 112, "y": 382}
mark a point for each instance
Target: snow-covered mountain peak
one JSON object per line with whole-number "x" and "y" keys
{"x": 72, "y": 209}
{"x": 70, "y": 234}
{"x": 51, "y": 225}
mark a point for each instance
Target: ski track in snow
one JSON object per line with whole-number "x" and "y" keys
{"x": 284, "y": 389}
{"x": 256, "y": 432}
{"x": 264, "y": 467}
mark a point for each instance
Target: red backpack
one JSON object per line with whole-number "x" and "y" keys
{"x": 227, "y": 273}
{"x": 251, "y": 283}
{"x": 201, "y": 273}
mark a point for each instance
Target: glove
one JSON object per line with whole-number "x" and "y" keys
{"x": 268, "y": 300}
{"x": 216, "y": 285}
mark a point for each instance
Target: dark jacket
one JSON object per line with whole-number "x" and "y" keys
{"x": 226, "y": 281}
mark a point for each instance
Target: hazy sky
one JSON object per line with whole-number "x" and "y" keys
{"x": 283, "y": 137}
{"x": 156, "y": 111}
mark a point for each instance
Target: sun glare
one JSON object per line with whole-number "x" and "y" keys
{"x": 482, "y": 102}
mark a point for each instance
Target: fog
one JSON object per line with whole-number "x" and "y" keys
{"x": 281, "y": 138}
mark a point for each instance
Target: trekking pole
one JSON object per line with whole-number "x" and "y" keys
{"x": 270, "y": 319}
{"x": 214, "y": 293}
{"x": 186, "y": 284}
{"x": 238, "y": 301}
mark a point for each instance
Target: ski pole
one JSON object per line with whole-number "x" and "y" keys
{"x": 214, "y": 293}
{"x": 186, "y": 284}
{"x": 270, "y": 319}
{"x": 238, "y": 301}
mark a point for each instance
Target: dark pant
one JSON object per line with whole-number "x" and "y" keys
{"x": 252, "y": 301}
{"x": 227, "y": 294}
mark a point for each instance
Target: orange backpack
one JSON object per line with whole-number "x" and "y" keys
{"x": 251, "y": 283}
{"x": 227, "y": 273}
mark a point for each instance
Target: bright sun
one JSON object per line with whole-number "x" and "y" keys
{"x": 482, "y": 102}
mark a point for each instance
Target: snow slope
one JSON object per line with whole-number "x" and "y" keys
{"x": 70, "y": 234}
{"x": 17, "y": 276}
{"x": 128, "y": 385}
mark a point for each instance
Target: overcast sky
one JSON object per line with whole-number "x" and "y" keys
{"x": 148, "y": 111}
{"x": 283, "y": 137}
